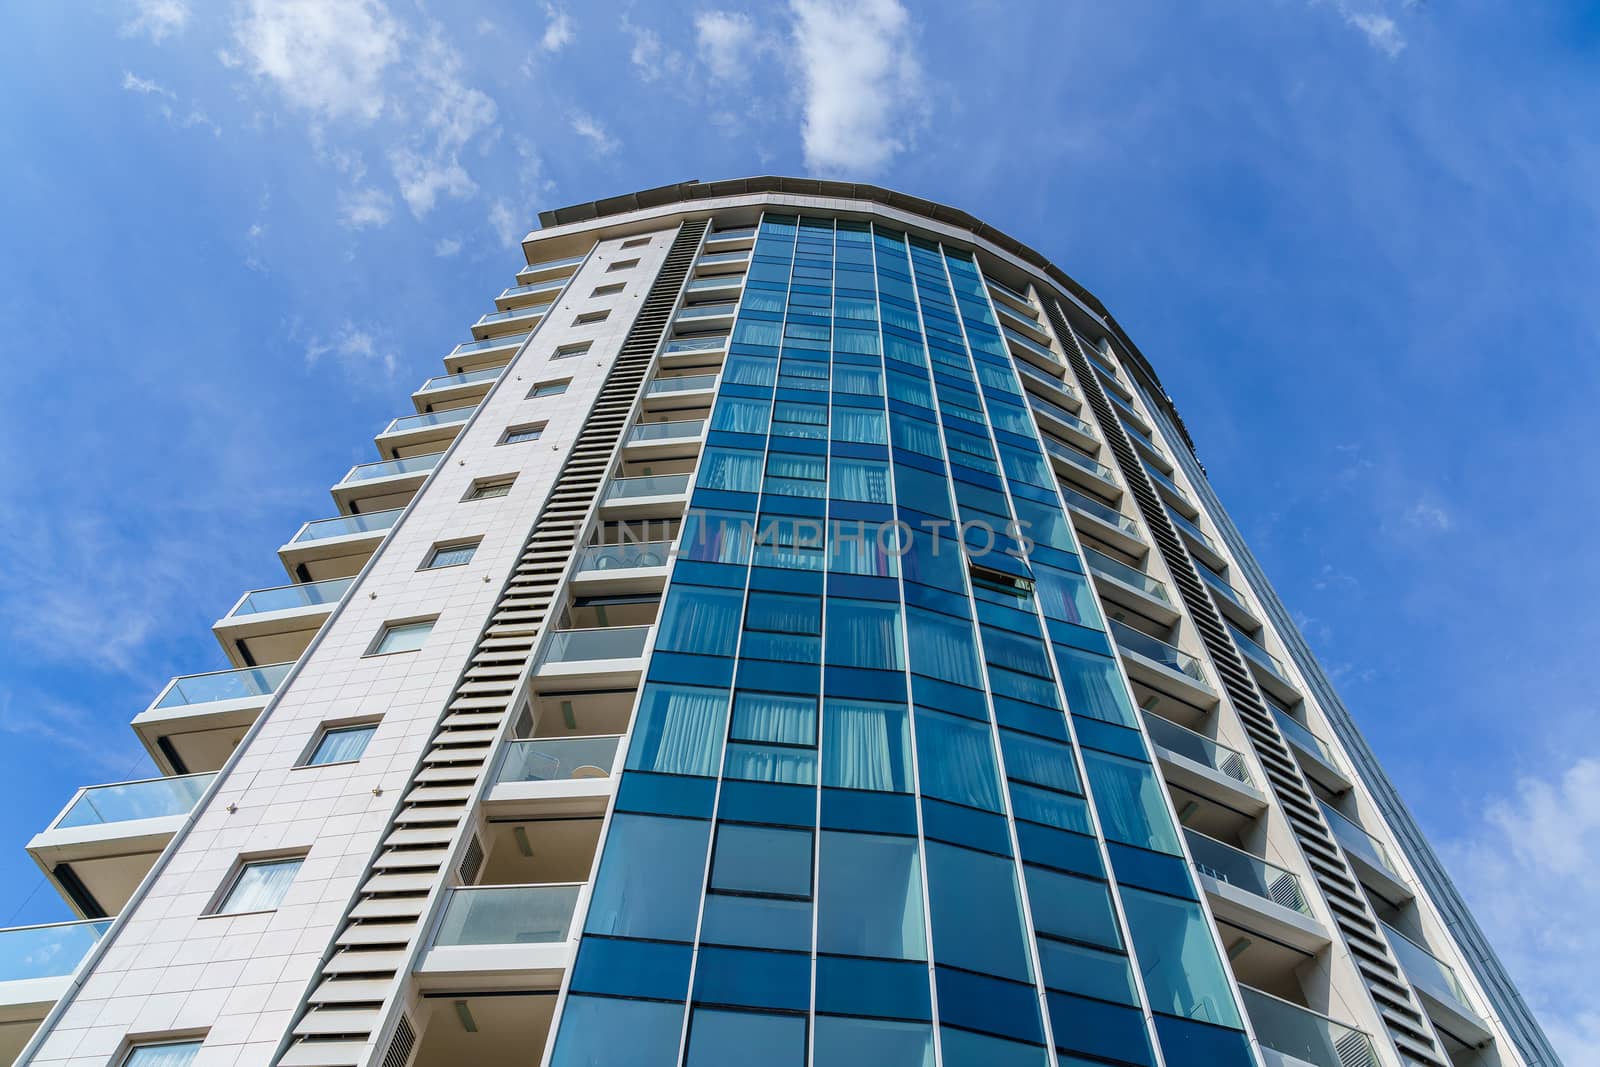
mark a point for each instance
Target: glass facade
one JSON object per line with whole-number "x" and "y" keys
{"x": 885, "y": 796}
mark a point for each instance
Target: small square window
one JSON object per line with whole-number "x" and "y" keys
{"x": 589, "y": 318}
{"x": 551, "y": 388}
{"x": 451, "y": 555}
{"x": 636, "y": 242}
{"x": 259, "y": 886}
{"x": 489, "y": 488}
{"x": 608, "y": 290}
{"x": 402, "y": 637}
{"x": 528, "y": 431}
{"x": 340, "y": 744}
{"x": 622, "y": 264}
{"x": 164, "y": 1054}
{"x": 575, "y": 349}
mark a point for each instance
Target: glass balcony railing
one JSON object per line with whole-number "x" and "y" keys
{"x": 153, "y": 798}
{"x": 1355, "y": 839}
{"x": 1142, "y": 644}
{"x": 1304, "y": 1035}
{"x": 1250, "y": 873}
{"x": 624, "y": 557}
{"x": 1079, "y": 460}
{"x": 740, "y": 233}
{"x": 287, "y": 597}
{"x": 1103, "y": 363}
{"x": 1204, "y": 751}
{"x": 1006, "y": 289}
{"x": 1220, "y": 584}
{"x": 1252, "y": 648}
{"x": 1128, "y": 408}
{"x": 534, "y": 289}
{"x": 605, "y": 642}
{"x": 388, "y": 467}
{"x": 510, "y": 340}
{"x": 1297, "y": 732}
{"x": 345, "y": 525}
{"x": 507, "y": 915}
{"x": 682, "y": 384}
{"x": 1011, "y": 314}
{"x": 708, "y": 311}
{"x": 1030, "y": 344}
{"x": 223, "y": 685}
{"x": 676, "y": 430}
{"x": 1165, "y": 482}
{"x": 1029, "y": 370}
{"x": 719, "y": 281}
{"x": 711, "y": 259}
{"x": 1107, "y": 514}
{"x": 492, "y": 317}
{"x": 1427, "y": 971}
{"x": 471, "y": 377}
{"x": 649, "y": 485}
{"x": 1193, "y": 531}
{"x": 552, "y": 264}
{"x": 431, "y": 418}
{"x": 53, "y": 951}
{"x": 1056, "y": 411}
{"x": 1101, "y": 563}
{"x": 702, "y": 343}
{"x": 556, "y": 759}
{"x": 1139, "y": 435}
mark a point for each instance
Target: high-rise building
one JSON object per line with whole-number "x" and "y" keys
{"x": 795, "y": 629}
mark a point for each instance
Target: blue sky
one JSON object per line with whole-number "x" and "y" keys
{"x": 1357, "y": 237}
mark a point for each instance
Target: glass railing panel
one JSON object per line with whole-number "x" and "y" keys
{"x": 683, "y": 383}
{"x": 1127, "y": 407}
{"x": 510, "y": 340}
{"x": 607, "y": 642}
{"x": 431, "y": 418}
{"x": 649, "y": 485}
{"x": 1011, "y": 314}
{"x": 1006, "y": 289}
{"x": 720, "y": 281}
{"x": 284, "y": 597}
{"x": 1356, "y": 839}
{"x": 707, "y": 311}
{"x": 1142, "y": 644}
{"x": 1302, "y": 736}
{"x": 1100, "y": 510}
{"x": 666, "y": 431}
{"x": 1220, "y": 584}
{"x": 625, "y": 557}
{"x": 1304, "y": 1034}
{"x": 471, "y": 377}
{"x": 704, "y": 343}
{"x": 1250, "y": 873}
{"x": 1056, "y": 411}
{"x": 1078, "y": 459}
{"x": 125, "y": 801}
{"x": 386, "y": 467}
{"x": 1163, "y": 480}
{"x": 531, "y": 311}
{"x": 1049, "y": 379}
{"x": 1192, "y": 530}
{"x": 534, "y": 288}
{"x": 1204, "y": 751}
{"x": 713, "y": 258}
{"x": 1252, "y": 648}
{"x": 737, "y": 234}
{"x": 556, "y": 759}
{"x": 54, "y": 951}
{"x": 1029, "y": 343}
{"x": 552, "y": 264}
{"x": 1138, "y": 434}
{"x": 224, "y": 685}
{"x": 344, "y": 525}
{"x": 1428, "y": 971}
{"x": 507, "y": 915}
{"x": 1115, "y": 568}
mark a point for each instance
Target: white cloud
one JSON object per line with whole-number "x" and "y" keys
{"x": 862, "y": 86}
{"x": 727, "y": 43}
{"x": 503, "y": 220}
{"x": 327, "y": 57}
{"x": 135, "y": 84}
{"x": 146, "y": 87}
{"x": 156, "y": 19}
{"x": 511, "y": 218}
{"x": 1381, "y": 31}
{"x": 447, "y": 247}
{"x": 357, "y": 349}
{"x": 361, "y": 209}
{"x": 558, "y": 32}
{"x": 1427, "y": 515}
{"x": 587, "y": 127}
{"x": 447, "y": 115}
{"x": 1532, "y": 875}
{"x": 651, "y": 59}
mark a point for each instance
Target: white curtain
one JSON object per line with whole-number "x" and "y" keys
{"x": 181, "y": 1054}
{"x": 261, "y": 887}
{"x": 786, "y": 720}
{"x": 865, "y": 746}
{"x": 680, "y": 730}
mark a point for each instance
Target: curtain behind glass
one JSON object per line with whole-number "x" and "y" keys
{"x": 1093, "y": 687}
{"x": 261, "y": 886}
{"x": 178, "y": 1055}
{"x": 1130, "y": 801}
{"x": 342, "y": 746}
{"x": 866, "y": 746}
{"x": 955, "y": 759}
{"x": 679, "y": 730}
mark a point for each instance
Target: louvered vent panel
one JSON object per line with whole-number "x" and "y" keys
{"x": 400, "y": 1046}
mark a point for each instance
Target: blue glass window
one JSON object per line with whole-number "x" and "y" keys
{"x": 859, "y": 479}
{"x": 650, "y": 878}
{"x": 605, "y": 1032}
{"x": 986, "y": 937}
{"x": 679, "y": 730}
{"x": 700, "y": 619}
{"x": 866, "y": 745}
{"x": 731, "y": 469}
{"x": 1075, "y": 908}
{"x": 963, "y": 1048}
{"x": 1067, "y": 597}
{"x": 718, "y": 1038}
{"x": 1178, "y": 960}
{"x": 1049, "y": 808}
{"x": 864, "y": 633}
{"x": 942, "y": 647}
{"x": 1034, "y": 759}
{"x": 869, "y": 897}
{"x": 955, "y": 757}
{"x": 787, "y": 720}
{"x": 1089, "y": 971}
{"x": 756, "y": 922}
{"x": 1131, "y": 802}
{"x": 790, "y": 543}
{"x": 1093, "y": 687}
{"x": 845, "y": 1042}
{"x": 859, "y": 426}
{"x": 717, "y": 536}
{"x": 762, "y": 860}
{"x": 857, "y": 547}
{"x": 739, "y": 414}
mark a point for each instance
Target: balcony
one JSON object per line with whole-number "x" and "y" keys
{"x": 1441, "y": 992}
{"x": 1148, "y": 450}
{"x": 455, "y": 390}
{"x": 1130, "y": 414}
{"x": 649, "y": 496}
{"x": 383, "y": 486}
{"x": 543, "y": 776}
{"x": 1015, "y": 297}
{"x": 1058, "y": 420}
{"x": 1315, "y": 754}
{"x": 336, "y": 547}
{"x": 677, "y": 437}
{"x": 590, "y": 658}
{"x": 275, "y": 625}
{"x": 1130, "y": 587}
{"x": 637, "y": 567}
{"x": 694, "y": 350}
{"x": 1163, "y": 667}
{"x": 512, "y": 320}
{"x": 1370, "y": 859}
{"x": 1027, "y": 325}
{"x": 36, "y": 968}
{"x": 1208, "y": 770}
{"x": 1175, "y": 497}
{"x": 1109, "y": 377}
{"x": 1203, "y": 547}
{"x": 107, "y": 838}
{"x": 1292, "y": 1036}
{"x": 491, "y": 352}
{"x": 412, "y": 435}
{"x": 549, "y": 269}
{"x": 1055, "y": 387}
{"x": 680, "y": 392}
{"x": 1084, "y": 471}
{"x": 1032, "y": 351}
{"x": 502, "y": 937}
{"x": 1265, "y": 666}
{"x": 1247, "y": 892}
{"x": 1230, "y": 601}
{"x": 198, "y": 719}
{"x": 708, "y": 316}
{"x": 530, "y": 295}
{"x": 716, "y": 287}
{"x": 1105, "y": 522}
{"x": 733, "y": 234}
{"x": 711, "y": 263}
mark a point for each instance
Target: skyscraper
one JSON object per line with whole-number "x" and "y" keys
{"x": 795, "y": 629}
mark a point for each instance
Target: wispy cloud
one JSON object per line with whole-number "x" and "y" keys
{"x": 1381, "y": 31}
{"x": 511, "y": 217}
{"x": 357, "y": 349}
{"x": 447, "y": 114}
{"x": 558, "y": 31}
{"x": 156, "y": 19}
{"x": 1429, "y": 516}
{"x": 651, "y": 59}
{"x": 327, "y": 57}
{"x": 727, "y": 42}
{"x": 589, "y": 128}
{"x": 167, "y": 99}
{"x": 135, "y": 84}
{"x": 447, "y": 247}
{"x": 861, "y": 83}
{"x": 365, "y": 208}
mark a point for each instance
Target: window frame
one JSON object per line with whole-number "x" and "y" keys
{"x": 389, "y": 626}
{"x": 493, "y": 481}
{"x": 536, "y": 429}
{"x": 334, "y": 726}
{"x": 577, "y": 348}
{"x": 429, "y": 561}
{"x": 535, "y": 393}
{"x": 622, "y": 264}
{"x": 219, "y": 904}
